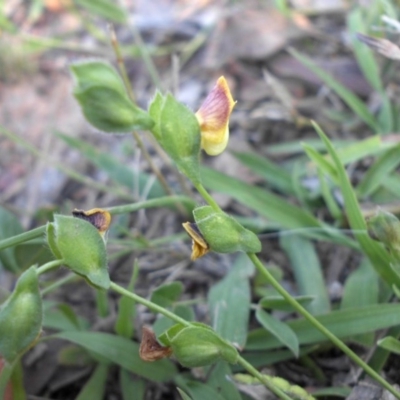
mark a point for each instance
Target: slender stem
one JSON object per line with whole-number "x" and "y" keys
{"x": 23, "y": 237}
{"x": 263, "y": 271}
{"x": 207, "y": 197}
{"x": 152, "y": 306}
{"x": 156, "y": 308}
{"x": 60, "y": 282}
{"x": 5, "y": 375}
{"x": 159, "y": 202}
{"x": 49, "y": 266}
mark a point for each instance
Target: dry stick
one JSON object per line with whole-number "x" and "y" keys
{"x": 142, "y": 147}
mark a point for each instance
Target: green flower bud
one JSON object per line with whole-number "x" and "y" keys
{"x": 224, "y": 234}
{"x": 104, "y": 101}
{"x": 21, "y": 317}
{"x": 385, "y": 227}
{"x": 198, "y": 345}
{"x": 82, "y": 248}
{"x": 178, "y": 132}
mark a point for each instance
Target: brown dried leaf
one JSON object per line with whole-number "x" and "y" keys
{"x": 150, "y": 349}
{"x": 382, "y": 46}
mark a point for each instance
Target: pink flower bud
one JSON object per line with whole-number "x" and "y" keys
{"x": 213, "y": 117}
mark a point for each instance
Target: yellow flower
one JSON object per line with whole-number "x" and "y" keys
{"x": 98, "y": 217}
{"x": 213, "y": 117}
{"x": 199, "y": 246}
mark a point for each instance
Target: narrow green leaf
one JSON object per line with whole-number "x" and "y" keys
{"x": 383, "y": 166}
{"x": 279, "y": 210}
{"x": 307, "y": 271}
{"x": 126, "y": 308}
{"x": 9, "y": 226}
{"x": 391, "y": 344}
{"x": 197, "y": 390}
{"x": 364, "y": 55}
{"x": 342, "y": 323}
{"x": 333, "y": 392}
{"x": 361, "y": 289}
{"x": 229, "y": 302}
{"x": 375, "y": 252}
{"x": 279, "y": 303}
{"x": 183, "y": 394}
{"x": 95, "y": 387}
{"x": 321, "y": 161}
{"x": 354, "y": 102}
{"x": 273, "y": 174}
{"x": 221, "y": 380}
{"x": 166, "y": 295}
{"x": 122, "y": 352}
{"x": 132, "y": 388}
{"x": 106, "y": 9}
{"x": 116, "y": 170}
{"x": 280, "y": 330}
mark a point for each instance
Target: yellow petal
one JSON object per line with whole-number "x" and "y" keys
{"x": 213, "y": 117}
{"x": 98, "y": 217}
{"x": 199, "y": 246}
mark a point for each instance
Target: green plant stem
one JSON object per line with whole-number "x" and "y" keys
{"x": 353, "y": 356}
{"x": 5, "y": 376}
{"x": 207, "y": 197}
{"x": 156, "y": 308}
{"x": 60, "y": 282}
{"x": 22, "y": 237}
{"x": 49, "y": 266}
{"x": 159, "y": 202}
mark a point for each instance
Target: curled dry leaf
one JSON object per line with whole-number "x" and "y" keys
{"x": 150, "y": 349}
{"x": 382, "y": 46}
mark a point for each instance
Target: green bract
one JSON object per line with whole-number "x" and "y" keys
{"x": 198, "y": 345}
{"x": 178, "y": 132}
{"x": 104, "y": 101}
{"x": 82, "y": 248}
{"x": 21, "y": 317}
{"x": 223, "y": 233}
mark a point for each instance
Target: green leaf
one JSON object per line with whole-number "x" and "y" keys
{"x": 221, "y": 380}
{"x": 373, "y": 178}
{"x": 63, "y": 318}
{"x": 332, "y": 392}
{"x": 361, "y": 289}
{"x": 122, "y": 352}
{"x": 9, "y": 226}
{"x": 273, "y": 174}
{"x": 280, "y": 303}
{"x": 358, "y": 107}
{"x": 110, "y": 111}
{"x": 21, "y": 317}
{"x": 375, "y": 252}
{"x": 105, "y": 8}
{"x": 82, "y": 248}
{"x": 183, "y": 394}
{"x": 116, "y": 170}
{"x": 229, "y": 302}
{"x": 342, "y": 323}
{"x": 280, "y": 330}
{"x": 163, "y": 323}
{"x": 166, "y": 295}
{"x": 307, "y": 271}
{"x": 198, "y": 390}
{"x": 126, "y": 308}
{"x": 322, "y": 162}
{"x": 391, "y": 344}
{"x": 131, "y": 388}
{"x": 95, "y": 387}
